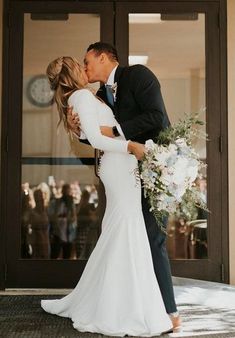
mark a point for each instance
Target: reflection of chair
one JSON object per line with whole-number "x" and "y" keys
{"x": 197, "y": 238}
{"x": 177, "y": 240}
{"x": 200, "y": 223}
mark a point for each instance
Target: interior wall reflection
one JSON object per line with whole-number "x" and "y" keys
{"x": 175, "y": 51}
{"x": 60, "y": 203}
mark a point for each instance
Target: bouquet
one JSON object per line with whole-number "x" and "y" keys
{"x": 170, "y": 167}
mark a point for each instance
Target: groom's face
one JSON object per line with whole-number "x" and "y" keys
{"x": 94, "y": 66}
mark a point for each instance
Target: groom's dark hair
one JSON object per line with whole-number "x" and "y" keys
{"x": 104, "y": 47}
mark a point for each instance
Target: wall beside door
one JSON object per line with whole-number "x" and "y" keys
{"x": 1, "y": 29}
{"x": 231, "y": 138}
{"x": 1, "y": 43}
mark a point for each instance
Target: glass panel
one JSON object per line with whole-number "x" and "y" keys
{"x": 60, "y": 204}
{"x": 175, "y": 52}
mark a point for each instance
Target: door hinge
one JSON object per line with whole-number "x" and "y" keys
{"x": 5, "y": 272}
{"x": 218, "y": 21}
{"x": 9, "y": 19}
{"x": 6, "y": 144}
{"x": 220, "y": 143}
{"x": 222, "y": 273}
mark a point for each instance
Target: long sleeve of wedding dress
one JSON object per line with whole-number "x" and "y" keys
{"x": 118, "y": 293}
{"x": 86, "y": 105}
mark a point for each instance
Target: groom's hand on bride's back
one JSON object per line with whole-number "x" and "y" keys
{"x": 73, "y": 121}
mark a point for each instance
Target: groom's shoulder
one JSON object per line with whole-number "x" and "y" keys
{"x": 136, "y": 75}
{"x": 138, "y": 67}
{"x": 140, "y": 71}
{"x": 133, "y": 68}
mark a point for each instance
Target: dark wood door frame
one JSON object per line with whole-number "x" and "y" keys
{"x": 216, "y": 269}
{"x": 13, "y": 274}
{"x": 11, "y": 136}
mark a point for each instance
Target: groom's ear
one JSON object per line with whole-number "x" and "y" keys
{"x": 103, "y": 57}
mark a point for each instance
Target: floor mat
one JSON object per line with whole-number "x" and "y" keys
{"x": 22, "y": 317}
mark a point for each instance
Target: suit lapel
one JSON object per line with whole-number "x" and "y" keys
{"x": 102, "y": 94}
{"x": 118, "y": 73}
{"x": 117, "y": 78}
{"x": 102, "y": 91}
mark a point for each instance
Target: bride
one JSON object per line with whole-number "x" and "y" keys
{"x": 118, "y": 293}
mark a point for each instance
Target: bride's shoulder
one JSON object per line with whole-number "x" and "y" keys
{"x": 81, "y": 94}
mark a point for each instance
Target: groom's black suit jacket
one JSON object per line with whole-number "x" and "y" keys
{"x": 139, "y": 107}
{"x": 140, "y": 110}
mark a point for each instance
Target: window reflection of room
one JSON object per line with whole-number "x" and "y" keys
{"x": 59, "y": 220}
{"x": 175, "y": 52}
{"x": 54, "y": 168}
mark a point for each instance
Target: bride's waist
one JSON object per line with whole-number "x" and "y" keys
{"x": 116, "y": 154}
{"x": 114, "y": 157}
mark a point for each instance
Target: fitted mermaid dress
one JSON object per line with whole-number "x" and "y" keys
{"x": 118, "y": 293}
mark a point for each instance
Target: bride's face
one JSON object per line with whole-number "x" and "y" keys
{"x": 81, "y": 75}
{"x": 93, "y": 66}
{"x": 84, "y": 76}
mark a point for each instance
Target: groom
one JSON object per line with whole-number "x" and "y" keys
{"x": 134, "y": 95}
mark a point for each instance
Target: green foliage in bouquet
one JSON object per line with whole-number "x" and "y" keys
{"x": 169, "y": 170}
{"x": 188, "y": 128}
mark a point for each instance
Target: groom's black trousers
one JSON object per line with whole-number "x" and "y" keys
{"x": 157, "y": 240}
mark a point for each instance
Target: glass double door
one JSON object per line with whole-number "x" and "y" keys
{"x": 56, "y": 206}
{"x": 55, "y": 201}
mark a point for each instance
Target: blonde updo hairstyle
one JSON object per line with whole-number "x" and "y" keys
{"x": 65, "y": 77}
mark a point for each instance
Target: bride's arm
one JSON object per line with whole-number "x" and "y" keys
{"x": 85, "y": 103}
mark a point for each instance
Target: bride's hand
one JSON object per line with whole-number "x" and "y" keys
{"x": 107, "y": 131}
{"x": 73, "y": 121}
{"x": 136, "y": 149}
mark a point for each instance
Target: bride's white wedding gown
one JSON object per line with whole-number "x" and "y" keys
{"x": 118, "y": 293}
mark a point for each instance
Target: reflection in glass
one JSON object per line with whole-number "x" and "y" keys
{"x": 60, "y": 216}
{"x": 175, "y": 52}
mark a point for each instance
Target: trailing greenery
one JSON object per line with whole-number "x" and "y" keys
{"x": 170, "y": 168}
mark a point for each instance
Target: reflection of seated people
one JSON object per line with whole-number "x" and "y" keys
{"x": 63, "y": 223}
{"x": 87, "y": 232}
{"x": 177, "y": 239}
{"x": 28, "y": 191}
{"x": 40, "y": 227}
{"x": 26, "y": 208}
{"x": 198, "y": 236}
{"x": 44, "y": 187}
{"x": 76, "y": 192}
{"x": 55, "y": 188}
{"x": 187, "y": 235}
{"x": 93, "y": 194}
{"x": 201, "y": 183}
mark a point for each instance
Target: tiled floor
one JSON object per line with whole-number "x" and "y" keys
{"x": 207, "y": 310}
{"x": 206, "y": 307}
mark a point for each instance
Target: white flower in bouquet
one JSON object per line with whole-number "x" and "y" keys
{"x": 170, "y": 168}
{"x": 149, "y": 144}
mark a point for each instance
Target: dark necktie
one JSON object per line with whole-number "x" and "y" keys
{"x": 109, "y": 94}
